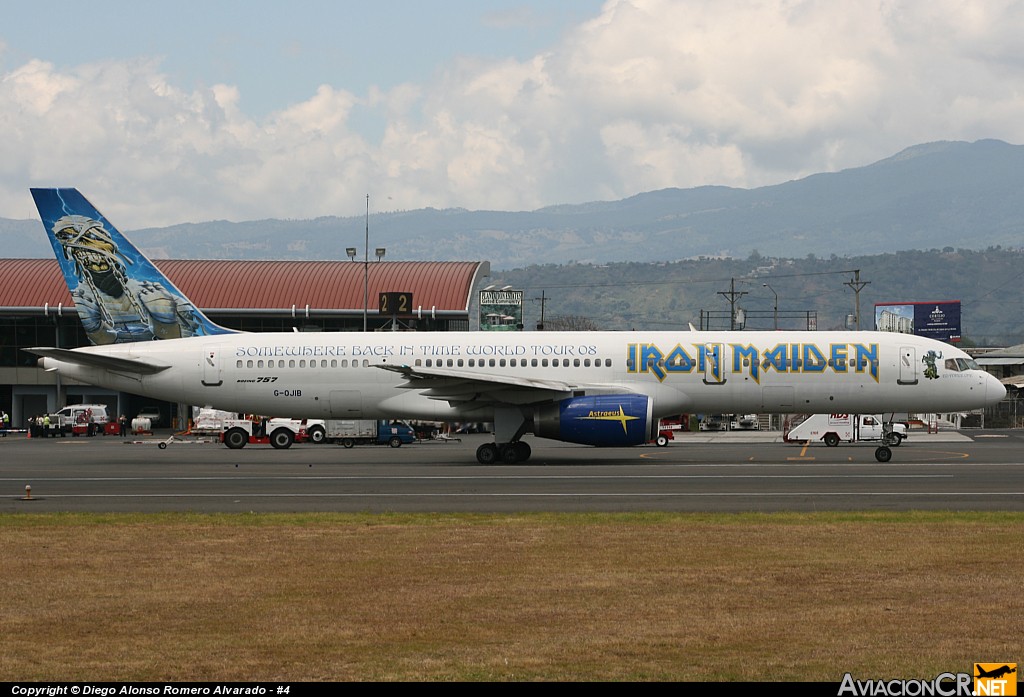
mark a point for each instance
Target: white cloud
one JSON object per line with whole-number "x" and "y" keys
{"x": 649, "y": 94}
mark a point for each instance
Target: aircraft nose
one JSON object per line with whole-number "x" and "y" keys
{"x": 994, "y": 390}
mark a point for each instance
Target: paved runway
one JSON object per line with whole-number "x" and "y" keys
{"x": 740, "y": 471}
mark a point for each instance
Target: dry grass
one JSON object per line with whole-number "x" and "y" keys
{"x": 526, "y": 597}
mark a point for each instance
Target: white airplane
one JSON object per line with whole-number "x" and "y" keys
{"x": 594, "y": 388}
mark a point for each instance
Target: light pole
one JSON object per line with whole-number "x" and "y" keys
{"x": 351, "y": 252}
{"x": 776, "y": 314}
{"x": 366, "y": 264}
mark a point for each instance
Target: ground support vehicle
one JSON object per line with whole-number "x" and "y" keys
{"x": 746, "y": 422}
{"x": 280, "y": 433}
{"x": 664, "y": 436}
{"x": 833, "y": 429}
{"x": 350, "y": 432}
{"x": 79, "y": 420}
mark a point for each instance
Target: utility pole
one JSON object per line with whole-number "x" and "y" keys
{"x": 542, "y": 299}
{"x": 857, "y": 286}
{"x": 732, "y": 296}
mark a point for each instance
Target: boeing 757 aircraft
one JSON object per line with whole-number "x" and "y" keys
{"x": 594, "y": 388}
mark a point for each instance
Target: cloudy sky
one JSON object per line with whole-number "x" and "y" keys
{"x": 191, "y": 111}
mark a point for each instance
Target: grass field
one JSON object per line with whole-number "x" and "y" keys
{"x": 532, "y": 597}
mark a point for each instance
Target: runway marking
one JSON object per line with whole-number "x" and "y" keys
{"x": 803, "y": 453}
{"x": 481, "y": 477}
{"x": 540, "y": 495}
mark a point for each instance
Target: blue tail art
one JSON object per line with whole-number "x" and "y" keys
{"x": 120, "y": 295}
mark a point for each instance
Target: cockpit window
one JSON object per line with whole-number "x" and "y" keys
{"x": 961, "y": 364}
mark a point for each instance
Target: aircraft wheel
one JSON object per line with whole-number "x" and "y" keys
{"x": 662, "y": 441}
{"x": 894, "y": 440}
{"x": 282, "y": 438}
{"x": 883, "y": 453}
{"x": 236, "y": 438}
{"x": 317, "y": 434}
{"x": 524, "y": 450}
{"x": 162, "y": 446}
{"x": 831, "y": 440}
{"x": 487, "y": 454}
{"x": 348, "y": 442}
{"x": 509, "y": 454}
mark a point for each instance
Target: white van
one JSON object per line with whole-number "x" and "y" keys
{"x": 80, "y": 419}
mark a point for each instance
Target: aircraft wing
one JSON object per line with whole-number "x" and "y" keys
{"x": 459, "y": 386}
{"x": 99, "y": 360}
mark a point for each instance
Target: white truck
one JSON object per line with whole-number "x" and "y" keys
{"x": 833, "y": 429}
{"x": 349, "y": 432}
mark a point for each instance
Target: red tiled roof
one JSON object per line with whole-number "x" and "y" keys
{"x": 266, "y": 285}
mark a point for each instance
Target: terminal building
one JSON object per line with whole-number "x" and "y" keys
{"x": 36, "y": 309}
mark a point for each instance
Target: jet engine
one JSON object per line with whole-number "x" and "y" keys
{"x": 602, "y": 420}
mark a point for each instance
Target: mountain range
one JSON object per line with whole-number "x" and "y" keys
{"x": 935, "y": 195}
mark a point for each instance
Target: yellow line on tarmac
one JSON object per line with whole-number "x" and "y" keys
{"x": 803, "y": 452}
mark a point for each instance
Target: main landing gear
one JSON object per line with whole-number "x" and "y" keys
{"x": 883, "y": 453}
{"x": 509, "y": 426}
{"x": 507, "y": 453}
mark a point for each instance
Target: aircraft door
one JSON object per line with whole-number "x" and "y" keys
{"x": 212, "y": 368}
{"x": 346, "y": 404}
{"x": 908, "y": 366}
{"x": 713, "y": 358}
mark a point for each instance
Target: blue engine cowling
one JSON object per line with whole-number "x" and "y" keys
{"x": 603, "y": 420}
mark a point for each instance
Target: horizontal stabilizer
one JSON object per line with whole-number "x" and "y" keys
{"x": 99, "y": 360}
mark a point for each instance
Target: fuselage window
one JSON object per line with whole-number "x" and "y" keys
{"x": 501, "y": 362}
{"x": 533, "y": 362}
{"x": 544, "y": 362}
{"x": 459, "y": 363}
{"x": 238, "y": 364}
{"x": 451, "y": 362}
{"x": 586, "y": 362}
{"x": 607, "y": 362}
{"x": 366, "y": 362}
{"x": 291, "y": 363}
{"x": 334, "y": 362}
{"x": 248, "y": 363}
{"x": 576, "y": 362}
{"x": 490, "y": 362}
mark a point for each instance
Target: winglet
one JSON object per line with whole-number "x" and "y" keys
{"x": 120, "y": 295}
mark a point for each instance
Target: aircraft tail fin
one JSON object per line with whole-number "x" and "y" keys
{"x": 120, "y": 295}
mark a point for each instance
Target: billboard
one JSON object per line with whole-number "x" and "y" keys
{"x": 501, "y": 310}
{"x": 935, "y": 320}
